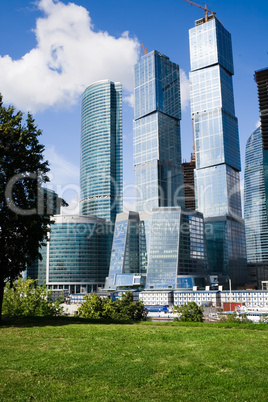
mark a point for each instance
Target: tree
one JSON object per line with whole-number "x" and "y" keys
{"x": 24, "y": 298}
{"x": 121, "y": 309}
{"x": 190, "y": 312}
{"x": 92, "y": 307}
{"x": 133, "y": 310}
{"x": 23, "y": 216}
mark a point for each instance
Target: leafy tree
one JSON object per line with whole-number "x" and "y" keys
{"x": 190, "y": 312}
{"x": 133, "y": 310}
{"x": 24, "y": 218}
{"x": 24, "y": 298}
{"x": 92, "y": 307}
{"x": 121, "y": 309}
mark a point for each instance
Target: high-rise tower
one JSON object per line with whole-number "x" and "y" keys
{"x": 101, "y": 174}
{"x": 261, "y": 78}
{"x": 256, "y": 220}
{"x": 217, "y": 185}
{"x": 157, "y": 142}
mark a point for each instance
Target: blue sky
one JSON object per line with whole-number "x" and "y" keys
{"x": 50, "y": 51}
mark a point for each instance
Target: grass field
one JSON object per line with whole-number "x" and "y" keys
{"x": 65, "y": 360}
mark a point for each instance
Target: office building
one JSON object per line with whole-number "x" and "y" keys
{"x": 261, "y": 78}
{"x": 256, "y": 221}
{"x": 256, "y": 189}
{"x": 157, "y": 143}
{"x": 177, "y": 257}
{"x": 101, "y": 174}
{"x": 49, "y": 203}
{"x": 217, "y": 154}
{"x": 128, "y": 265}
{"x": 77, "y": 254}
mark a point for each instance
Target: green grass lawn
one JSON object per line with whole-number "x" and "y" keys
{"x": 68, "y": 360}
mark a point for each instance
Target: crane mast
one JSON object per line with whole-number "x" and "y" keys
{"x": 203, "y": 8}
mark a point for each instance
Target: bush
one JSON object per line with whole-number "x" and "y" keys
{"x": 121, "y": 309}
{"x": 25, "y": 298}
{"x": 264, "y": 319}
{"x": 235, "y": 318}
{"x": 190, "y": 312}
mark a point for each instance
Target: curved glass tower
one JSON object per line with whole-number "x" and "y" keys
{"x": 255, "y": 201}
{"x": 101, "y": 172}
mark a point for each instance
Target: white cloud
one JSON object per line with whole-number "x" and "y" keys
{"x": 69, "y": 56}
{"x": 258, "y": 124}
{"x": 62, "y": 172}
{"x": 130, "y": 99}
{"x": 185, "y": 90}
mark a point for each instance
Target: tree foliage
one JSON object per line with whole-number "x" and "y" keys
{"x": 190, "y": 312}
{"x": 235, "y": 318}
{"x": 23, "y": 224}
{"x": 264, "y": 319}
{"x": 121, "y": 309}
{"x": 24, "y": 298}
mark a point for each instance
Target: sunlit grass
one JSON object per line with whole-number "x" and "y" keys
{"x": 65, "y": 360}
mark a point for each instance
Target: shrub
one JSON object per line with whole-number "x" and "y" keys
{"x": 235, "y": 318}
{"x": 121, "y": 309}
{"x": 25, "y": 298}
{"x": 190, "y": 312}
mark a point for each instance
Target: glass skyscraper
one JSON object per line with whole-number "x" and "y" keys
{"x": 177, "y": 251}
{"x": 157, "y": 142}
{"x": 217, "y": 185}
{"x": 101, "y": 174}
{"x": 261, "y": 78}
{"x": 256, "y": 220}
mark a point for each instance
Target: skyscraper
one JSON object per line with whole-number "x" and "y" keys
{"x": 101, "y": 173}
{"x": 261, "y": 78}
{"x": 256, "y": 221}
{"x": 217, "y": 185}
{"x": 157, "y": 142}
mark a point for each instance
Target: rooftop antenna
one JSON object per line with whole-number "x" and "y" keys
{"x": 203, "y": 8}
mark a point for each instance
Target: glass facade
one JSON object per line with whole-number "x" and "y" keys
{"x": 101, "y": 174}
{"x": 217, "y": 185}
{"x": 78, "y": 251}
{"x": 226, "y": 248}
{"x": 177, "y": 251}
{"x": 256, "y": 221}
{"x": 261, "y": 78}
{"x": 129, "y": 251}
{"x": 157, "y": 144}
{"x": 215, "y": 125}
{"x": 50, "y": 203}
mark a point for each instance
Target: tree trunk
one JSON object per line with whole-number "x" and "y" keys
{"x": 2, "y": 286}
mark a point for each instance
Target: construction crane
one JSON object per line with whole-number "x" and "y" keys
{"x": 144, "y": 50}
{"x": 203, "y": 8}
